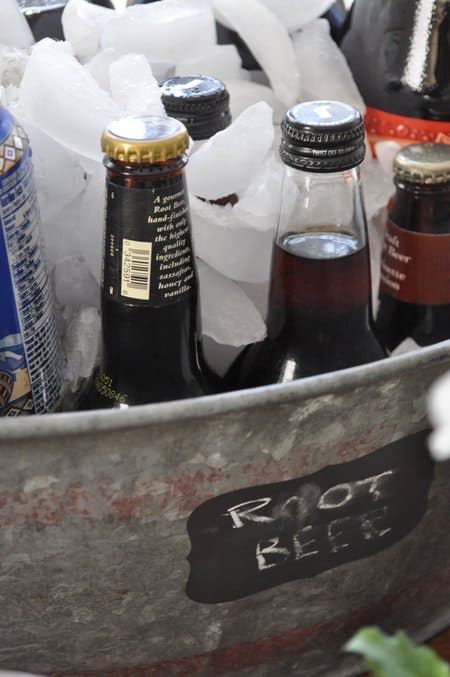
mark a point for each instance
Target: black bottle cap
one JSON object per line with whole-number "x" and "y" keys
{"x": 200, "y": 102}
{"x": 322, "y": 136}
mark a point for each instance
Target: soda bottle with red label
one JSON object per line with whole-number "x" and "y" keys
{"x": 399, "y": 52}
{"x": 415, "y": 265}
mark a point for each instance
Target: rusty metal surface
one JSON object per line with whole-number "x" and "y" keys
{"x": 93, "y": 537}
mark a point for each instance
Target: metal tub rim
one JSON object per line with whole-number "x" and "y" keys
{"x": 85, "y": 422}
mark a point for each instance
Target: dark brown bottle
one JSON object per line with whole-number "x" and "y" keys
{"x": 415, "y": 265}
{"x": 399, "y": 51}
{"x": 202, "y": 104}
{"x": 320, "y": 315}
{"x": 151, "y": 349}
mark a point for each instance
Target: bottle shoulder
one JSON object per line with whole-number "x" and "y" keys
{"x": 270, "y": 362}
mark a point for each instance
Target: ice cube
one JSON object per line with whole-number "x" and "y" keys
{"x": 14, "y": 29}
{"x": 60, "y": 97}
{"x": 9, "y": 97}
{"x": 170, "y": 31}
{"x": 133, "y": 86}
{"x": 232, "y": 247}
{"x": 269, "y": 42}
{"x": 408, "y": 345}
{"x": 228, "y": 315}
{"x": 258, "y": 293}
{"x": 162, "y": 70}
{"x": 12, "y": 65}
{"x": 75, "y": 287}
{"x": 259, "y": 203}
{"x": 228, "y": 161}
{"x": 81, "y": 345}
{"x": 244, "y": 94}
{"x": 91, "y": 221}
{"x": 376, "y": 230}
{"x": 386, "y": 152}
{"x": 58, "y": 175}
{"x": 99, "y": 65}
{"x": 221, "y": 61}
{"x": 438, "y": 410}
{"x": 81, "y": 21}
{"x": 61, "y": 233}
{"x": 377, "y": 185}
{"x": 294, "y": 15}
{"x": 218, "y": 355}
{"x": 324, "y": 71}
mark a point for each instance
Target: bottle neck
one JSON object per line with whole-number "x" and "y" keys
{"x": 148, "y": 260}
{"x": 421, "y": 208}
{"x": 320, "y": 265}
{"x": 330, "y": 203}
{"x": 147, "y": 256}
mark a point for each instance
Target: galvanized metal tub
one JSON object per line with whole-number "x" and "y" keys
{"x": 99, "y": 512}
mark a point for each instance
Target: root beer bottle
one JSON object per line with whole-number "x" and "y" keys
{"x": 202, "y": 104}
{"x": 320, "y": 315}
{"x": 415, "y": 264}
{"x": 399, "y": 52}
{"x": 151, "y": 349}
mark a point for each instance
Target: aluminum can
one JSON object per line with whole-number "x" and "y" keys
{"x": 30, "y": 350}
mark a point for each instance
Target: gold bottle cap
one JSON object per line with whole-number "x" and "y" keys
{"x": 423, "y": 163}
{"x": 144, "y": 140}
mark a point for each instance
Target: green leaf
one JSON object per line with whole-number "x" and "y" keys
{"x": 396, "y": 656}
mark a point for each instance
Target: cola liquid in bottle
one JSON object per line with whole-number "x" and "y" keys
{"x": 150, "y": 323}
{"x": 399, "y": 51}
{"x": 415, "y": 264}
{"x": 320, "y": 315}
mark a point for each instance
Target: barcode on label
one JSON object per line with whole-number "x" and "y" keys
{"x": 136, "y": 266}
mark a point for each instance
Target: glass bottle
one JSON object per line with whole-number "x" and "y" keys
{"x": 30, "y": 349}
{"x": 320, "y": 315}
{"x": 399, "y": 52}
{"x": 149, "y": 304}
{"x": 415, "y": 264}
{"x": 202, "y": 104}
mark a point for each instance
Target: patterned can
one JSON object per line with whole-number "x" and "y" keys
{"x": 30, "y": 351}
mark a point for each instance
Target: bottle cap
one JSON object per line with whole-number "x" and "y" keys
{"x": 322, "y": 136}
{"x": 144, "y": 140}
{"x": 423, "y": 163}
{"x": 201, "y": 102}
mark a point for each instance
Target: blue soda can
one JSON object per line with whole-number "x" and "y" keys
{"x": 30, "y": 350}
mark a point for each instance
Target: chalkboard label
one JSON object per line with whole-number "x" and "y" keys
{"x": 260, "y": 537}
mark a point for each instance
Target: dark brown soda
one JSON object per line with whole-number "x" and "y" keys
{"x": 151, "y": 354}
{"x": 421, "y": 209}
{"x": 320, "y": 316}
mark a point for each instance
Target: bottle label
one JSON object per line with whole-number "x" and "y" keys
{"x": 148, "y": 249}
{"x": 415, "y": 267}
{"x": 30, "y": 355}
{"x": 382, "y": 126}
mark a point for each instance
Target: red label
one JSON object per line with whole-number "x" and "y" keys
{"x": 415, "y": 267}
{"x": 382, "y": 126}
